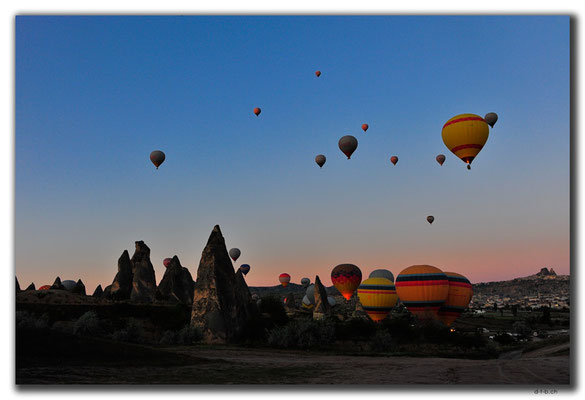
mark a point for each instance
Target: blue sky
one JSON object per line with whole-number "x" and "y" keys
{"x": 95, "y": 95}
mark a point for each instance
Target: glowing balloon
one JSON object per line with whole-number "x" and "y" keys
{"x": 460, "y": 293}
{"x": 305, "y": 282}
{"x": 318, "y": 73}
{"x": 157, "y": 157}
{"x": 167, "y": 262}
{"x": 394, "y": 159}
{"x": 491, "y": 118}
{"x": 257, "y": 111}
{"x": 284, "y": 279}
{"x": 465, "y": 135}
{"x": 378, "y": 296}
{"x": 347, "y": 145}
{"x": 423, "y": 289}
{"x": 235, "y": 253}
{"x": 365, "y": 127}
{"x": 320, "y": 160}
{"x": 382, "y": 273}
{"x": 245, "y": 268}
{"x": 346, "y": 278}
{"x": 440, "y": 159}
{"x": 45, "y": 287}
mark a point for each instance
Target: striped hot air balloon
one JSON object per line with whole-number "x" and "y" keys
{"x": 245, "y": 268}
{"x": 465, "y": 135}
{"x": 346, "y": 278}
{"x": 284, "y": 279}
{"x": 460, "y": 293}
{"x": 378, "y": 296}
{"x": 423, "y": 289}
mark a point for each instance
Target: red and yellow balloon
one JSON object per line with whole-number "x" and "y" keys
{"x": 346, "y": 278}
{"x": 423, "y": 289}
{"x": 460, "y": 293}
{"x": 465, "y": 135}
{"x": 284, "y": 279}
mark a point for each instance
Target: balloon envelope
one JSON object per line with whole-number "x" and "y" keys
{"x": 394, "y": 160}
{"x": 378, "y": 296}
{"x": 167, "y": 262}
{"x": 245, "y": 268}
{"x": 45, "y": 287}
{"x": 440, "y": 159}
{"x": 68, "y": 284}
{"x": 458, "y": 298}
{"x": 257, "y": 111}
{"x": 157, "y": 157}
{"x": 284, "y": 279}
{"x": 235, "y": 253}
{"x": 310, "y": 294}
{"x": 465, "y": 135}
{"x": 382, "y": 273}
{"x": 347, "y": 144}
{"x": 430, "y": 219}
{"x": 346, "y": 278}
{"x": 318, "y": 73}
{"x": 491, "y": 118}
{"x": 423, "y": 289}
{"x": 320, "y": 160}
{"x": 305, "y": 282}
{"x": 365, "y": 127}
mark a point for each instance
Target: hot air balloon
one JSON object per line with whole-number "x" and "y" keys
{"x": 491, "y": 118}
{"x": 430, "y": 219}
{"x": 346, "y": 278}
{"x": 394, "y": 159}
{"x": 167, "y": 262}
{"x": 347, "y": 145}
{"x": 45, "y": 287}
{"x": 440, "y": 159}
{"x": 257, "y": 111}
{"x": 378, "y": 296}
{"x": 465, "y": 135}
{"x": 365, "y": 127}
{"x": 306, "y": 303}
{"x": 320, "y": 160}
{"x": 460, "y": 293}
{"x": 68, "y": 284}
{"x": 318, "y": 73}
{"x": 157, "y": 157}
{"x": 382, "y": 273}
{"x": 245, "y": 268}
{"x": 331, "y": 301}
{"x": 310, "y": 293}
{"x": 423, "y": 289}
{"x": 305, "y": 282}
{"x": 235, "y": 253}
{"x": 284, "y": 279}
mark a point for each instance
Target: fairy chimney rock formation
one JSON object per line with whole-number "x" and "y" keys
{"x": 177, "y": 284}
{"x": 143, "y": 279}
{"x": 17, "y": 286}
{"x": 221, "y": 301}
{"x": 57, "y": 284}
{"x": 98, "y": 292}
{"x": 31, "y": 287}
{"x": 121, "y": 287}
{"x": 322, "y": 306}
{"x": 79, "y": 288}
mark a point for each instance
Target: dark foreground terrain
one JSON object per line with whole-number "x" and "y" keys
{"x": 57, "y": 358}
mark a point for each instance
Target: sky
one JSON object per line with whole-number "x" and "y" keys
{"x": 95, "y": 95}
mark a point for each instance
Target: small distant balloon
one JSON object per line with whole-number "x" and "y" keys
{"x": 305, "y": 282}
{"x": 347, "y": 145}
{"x": 394, "y": 160}
{"x": 157, "y": 157}
{"x": 235, "y": 253}
{"x": 284, "y": 279}
{"x": 167, "y": 262}
{"x": 245, "y": 268}
{"x": 491, "y": 118}
{"x": 440, "y": 159}
{"x": 365, "y": 127}
{"x": 320, "y": 160}
{"x": 430, "y": 219}
{"x": 318, "y": 73}
{"x": 257, "y": 111}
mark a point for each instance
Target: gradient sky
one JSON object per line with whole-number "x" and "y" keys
{"x": 95, "y": 95}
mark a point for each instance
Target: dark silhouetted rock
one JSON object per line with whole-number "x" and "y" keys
{"x": 177, "y": 284}
{"x": 107, "y": 292}
{"x": 552, "y": 272}
{"x": 98, "y": 292}
{"x": 290, "y": 302}
{"x": 57, "y": 284}
{"x": 143, "y": 280}
{"x": 17, "y": 286}
{"x": 79, "y": 288}
{"x": 543, "y": 272}
{"x": 122, "y": 285}
{"x": 322, "y": 306}
{"x": 221, "y": 302}
{"x": 31, "y": 287}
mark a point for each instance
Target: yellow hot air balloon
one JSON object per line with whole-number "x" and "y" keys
{"x": 378, "y": 296}
{"x": 423, "y": 289}
{"x": 465, "y": 135}
{"x": 460, "y": 293}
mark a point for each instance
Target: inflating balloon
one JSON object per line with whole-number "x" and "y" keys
{"x": 440, "y": 159}
{"x": 465, "y": 135}
{"x": 394, "y": 160}
{"x": 284, "y": 279}
{"x": 491, "y": 118}
{"x": 382, "y": 273}
{"x": 245, "y": 268}
{"x": 167, "y": 262}
{"x": 320, "y": 160}
{"x": 318, "y": 73}
{"x": 306, "y": 304}
{"x": 310, "y": 293}
{"x": 347, "y": 145}
{"x": 430, "y": 219}
{"x": 157, "y": 157}
{"x": 460, "y": 293}
{"x": 257, "y": 111}
{"x": 422, "y": 289}
{"x": 365, "y": 127}
{"x": 346, "y": 278}
{"x": 235, "y": 253}
{"x": 378, "y": 296}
